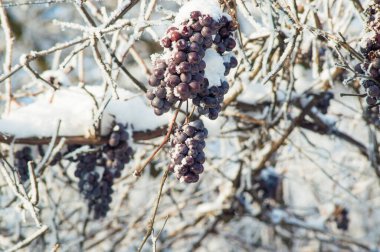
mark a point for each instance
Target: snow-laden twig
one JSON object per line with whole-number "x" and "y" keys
{"x": 34, "y": 198}
{"x": 154, "y": 212}
{"x": 28, "y": 240}
{"x": 8, "y": 54}
{"x": 41, "y": 165}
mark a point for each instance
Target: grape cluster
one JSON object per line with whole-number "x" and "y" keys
{"x": 95, "y": 188}
{"x": 117, "y": 151}
{"x": 97, "y": 170}
{"x": 22, "y": 157}
{"x": 187, "y": 156}
{"x": 180, "y": 73}
{"x": 370, "y": 49}
{"x": 267, "y": 184}
{"x": 341, "y": 219}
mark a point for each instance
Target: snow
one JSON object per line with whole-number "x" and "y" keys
{"x": 214, "y": 71}
{"x": 207, "y": 7}
{"x": 74, "y": 107}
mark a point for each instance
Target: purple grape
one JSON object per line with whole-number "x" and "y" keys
{"x": 185, "y": 77}
{"x": 195, "y": 15}
{"x": 184, "y": 67}
{"x": 186, "y": 31}
{"x": 166, "y": 42}
{"x": 206, "y": 32}
{"x": 153, "y": 81}
{"x": 175, "y": 35}
{"x": 193, "y": 58}
{"x": 197, "y": 38}
{"x": 179, "y": 57}
{"x": 205, "y": 20}
{"x": 373, "y": 91}
{"x": 173, "y": 80}
{"x": 157, "y": 102}
{"x": 181, "y": 44}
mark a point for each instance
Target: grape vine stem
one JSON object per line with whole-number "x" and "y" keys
{"x": 154, "y": 213}
{"x": 139, "y": 170}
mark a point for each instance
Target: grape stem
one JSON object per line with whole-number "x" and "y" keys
{"x": 139, "y": 170}
{"x": 154, "y": 212}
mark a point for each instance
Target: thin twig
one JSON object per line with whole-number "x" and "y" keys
{"x": 139, "y": 170}
{"x": 28, "y": 240}
{"x": 154, "y": 212}
{"x": 8, "y": 54}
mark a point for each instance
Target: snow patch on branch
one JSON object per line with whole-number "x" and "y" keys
{"x": 207, "y": 7}
{"x": 215, "y": 69}
{"x": 75, "y": 108}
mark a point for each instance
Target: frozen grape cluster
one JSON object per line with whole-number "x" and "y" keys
{"x": 22, "y": 157}
{"x": 187, "y": 155}
{"x": 97, "y": 170}
{"x": 179, "y": 74}
{"x": 370, "y": 49}
{"x": 94, "y": 186}
{"x": 117, "y": 151}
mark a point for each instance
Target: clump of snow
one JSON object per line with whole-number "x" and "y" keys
{"x": 56, "y": 77}
{"x": 252, "y": 92}
{"x": 75, "y": 108}
{"x": 206, "y": 7}
{"x": 215, "y": 68}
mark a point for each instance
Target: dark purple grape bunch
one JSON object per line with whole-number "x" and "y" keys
{"x": 96, "y": 187}
{"x": 209, "y": 100}
{"x": 223, "y": 40}
{"x": 266, "y": 184}
{"x": 187, "y": 155}
{"x": 370, "y": 49}
{"x": 180, "y": 73}
{"x": 341, "y": 218}
{"x": 22, "y": 157}
{"x": 117, "y": 150}
{"x": 161, "y": 97}
{"x": 100, "y": 196}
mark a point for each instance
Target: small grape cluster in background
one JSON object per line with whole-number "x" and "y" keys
{"x": 97, "y": 170}
{"x": 187, "y": 155}
{"x": 22, "y": 157}
{"x": 95, "y": 189}
{"x": 370, "y": 49}
{"x": 179, "y": 74}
